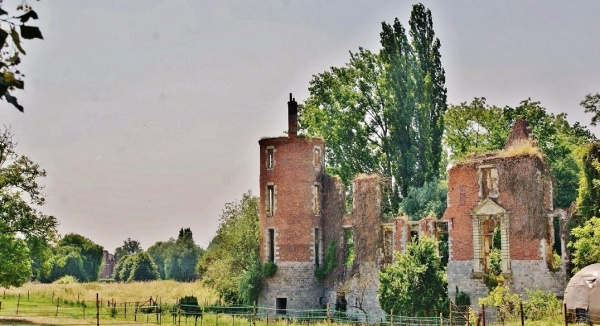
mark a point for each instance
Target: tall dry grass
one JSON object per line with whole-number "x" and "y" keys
{"x": 166, "y": 291}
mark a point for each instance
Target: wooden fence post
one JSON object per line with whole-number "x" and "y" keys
{"x": 450, "y": 312}
{"x": 565, "y": 313}
{"x": 57, "y": 303}
{"x": 97, "y": 310}
{"x": 483, "y": 313}
{"x": 522, "y": 315}
{"x": 328, "y": 320}
{"x": 468, "y": 315}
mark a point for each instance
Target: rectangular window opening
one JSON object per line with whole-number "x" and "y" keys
{"x": 388, "y": 245}
{"x": 271, "y": 243}
{"x": 270, "y": 158}
{"x": 489, "y": 182}
{"x": 281, "y": 306}
{"x": 317, "y": 200}
{"x": 317, "y": 247}
{"x": 270, "y": 199}
{"x": 317, "y": 159}
{"x": 349, "y": 246}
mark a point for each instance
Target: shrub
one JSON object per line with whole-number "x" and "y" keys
{"x": 541, "y": 305}
{"x": 269, "y": 268}
{"x": 67, "y": 279}
{"x": 461, "y": 298}
{"x": 503, "y": 300}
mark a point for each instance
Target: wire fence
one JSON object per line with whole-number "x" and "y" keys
{"x": 154, "y": 311}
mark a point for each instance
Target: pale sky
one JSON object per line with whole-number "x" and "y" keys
{"x": 146, "y": 114}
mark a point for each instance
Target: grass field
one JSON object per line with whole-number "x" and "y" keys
{"x": 74, "y": 304}
{"x": 165, "y": 291}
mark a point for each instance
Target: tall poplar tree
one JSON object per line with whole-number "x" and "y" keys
{"x": 430, "y": 92}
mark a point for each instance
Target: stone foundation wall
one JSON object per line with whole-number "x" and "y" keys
{"x": 459, "y": 274}
{"x": 525, "y": 275}
{"x": 296, "y": 282}
{"x": 534, "y": 274}
{"x": 361, "y": 291}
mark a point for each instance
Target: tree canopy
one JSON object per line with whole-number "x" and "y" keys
{"x": 23, "y": 227}
{"x": 77, "y": 256}
{"x": 383, "y": 112}
{"x": 231, "y": 264}
{"x": 129, "y": 247}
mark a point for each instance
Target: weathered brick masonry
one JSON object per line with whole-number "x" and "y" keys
{"x": 302, "y": 212}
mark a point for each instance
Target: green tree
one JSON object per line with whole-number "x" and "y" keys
{"x": 427, "y": 201}
{"x": 414, "y": 285}
{"x": 159, "y": 252}
{"x": 232, "y": 257}
{"x": 77, "y": 256}
{"x": 475, "y": 127}
{"x": 591, "y": 104}
{"x": 588, "y": 202}
{"x": 20, "y": 220}
{"x": 142, "y": 268}
{"x": 123, "y": 268}
{"x": 15, "y": 261}
{"x": 91, "y": 254}
{"x": 129, "y": 247}
{"x": 430, "y": 92}
{"x": 16, "y": 25}
{"x": 586, "y": 244}
{"x": 177, "y": 259}
{"x": 383, "y": 112}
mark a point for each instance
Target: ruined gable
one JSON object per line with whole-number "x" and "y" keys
{"x": 509, "y": 192}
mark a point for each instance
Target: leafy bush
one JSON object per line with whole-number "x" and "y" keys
{"x": 269, "y": 269}
{"x": 541, "y": 305}
{"x": 503, "y": 300}
{"x": 461, "y": 298}
{"x": 415, "y": 284}
{"x": 189, "y": 306}
{"x": 554, "y": 264}
{"x": 67, "y": 279}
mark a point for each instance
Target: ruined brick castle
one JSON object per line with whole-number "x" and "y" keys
{"x": 303, "y": 213}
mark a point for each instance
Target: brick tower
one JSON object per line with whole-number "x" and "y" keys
{"x": 291, "y": 173}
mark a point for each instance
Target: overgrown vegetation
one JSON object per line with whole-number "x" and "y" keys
{"x": 415, "y": 284}
{"x": 231, "y": 263}
{"x": 329, "y": 264}
{"x": 269, "y": 269}
{"x": 539, "y": 305}
{"x": 176, "y": 259}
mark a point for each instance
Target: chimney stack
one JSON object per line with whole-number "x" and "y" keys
{"x": 292, "y": 117}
